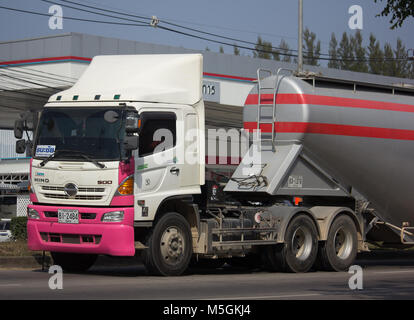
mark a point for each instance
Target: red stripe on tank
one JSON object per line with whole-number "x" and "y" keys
{"x": 334, "y": 129}
{"x": 293, "y": 98}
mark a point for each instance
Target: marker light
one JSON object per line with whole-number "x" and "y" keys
{"x": 298, "y": 200}
{"x": 127, "y": 187}
{"x": 30, "y": 187}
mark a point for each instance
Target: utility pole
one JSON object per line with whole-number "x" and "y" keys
{"x": 300, "y": 37}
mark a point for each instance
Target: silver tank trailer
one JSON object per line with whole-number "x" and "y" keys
{"x": 362, "y": 135}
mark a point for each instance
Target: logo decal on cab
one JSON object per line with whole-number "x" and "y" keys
{"x": 104, "y": 181}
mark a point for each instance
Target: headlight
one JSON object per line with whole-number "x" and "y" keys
{"x": 32, "y": 213}
{"x": 127, "y": 187}
{"x": 114, "y": 216}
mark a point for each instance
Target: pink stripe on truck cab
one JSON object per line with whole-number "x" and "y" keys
{"x": 125, "y": 170}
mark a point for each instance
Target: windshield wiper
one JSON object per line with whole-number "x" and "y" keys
{"x": 98, "y": 164}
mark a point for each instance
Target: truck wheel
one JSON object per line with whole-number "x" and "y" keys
{"x": 74, "y": 262}
{"x": 299, "y": 252}
{"x": 339, "y": 251}
{"x": 169, "y": 246}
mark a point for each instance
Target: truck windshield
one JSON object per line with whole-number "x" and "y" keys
{"x": 95, "y": 132}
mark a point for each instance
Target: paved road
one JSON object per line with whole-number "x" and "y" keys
{"x": 385, "y": 276}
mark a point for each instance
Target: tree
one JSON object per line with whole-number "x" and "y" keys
{"x": 312, "y": 51}
{"x": 276, "y": 55}
{"x": 375, "y": 56}
{"x": 333, "y": 53}
{"x": 221, "y": 49}
{"x": 284, "y": 48}
{"x": 402, "y": 66}
{"x": 263, "y": 49}
{"x": 389, "y": 66}
{"x": 360, "y": 64}
{"x": 236, "y": 50}
{"x": 345, "y": 53}
{"x": 400, "y": 11}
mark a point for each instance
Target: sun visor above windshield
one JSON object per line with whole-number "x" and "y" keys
{"x": 165, "y": 78}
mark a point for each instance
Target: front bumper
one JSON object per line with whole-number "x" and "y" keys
{"x": 89, "y": 236}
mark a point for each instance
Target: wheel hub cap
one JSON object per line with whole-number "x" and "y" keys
{"x": 172, "y": 246}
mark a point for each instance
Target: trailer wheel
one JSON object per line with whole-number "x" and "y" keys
{"x": 339, "y": 251}
{"x": 169, "y": 246}
{"x": 74, "y": 262}
{"x": 300, "y": 249}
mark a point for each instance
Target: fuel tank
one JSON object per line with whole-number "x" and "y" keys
{"x": 361, "y": 134}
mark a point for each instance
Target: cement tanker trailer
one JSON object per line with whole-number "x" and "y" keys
{"x": 115, "y": 172}
{"x": 327, "y": 141}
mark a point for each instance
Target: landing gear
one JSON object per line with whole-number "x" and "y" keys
{"x": 169, "y": 246}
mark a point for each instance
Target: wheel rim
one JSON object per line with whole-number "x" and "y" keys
{"x": 302, "y": 243}
{"x": 343, "y": 243}
{"x": 172, "y": 246}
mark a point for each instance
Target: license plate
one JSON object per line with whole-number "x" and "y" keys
{"x": 68, "y": 216}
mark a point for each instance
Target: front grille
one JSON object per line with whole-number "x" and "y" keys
{"x": 78, "y": 197}
{"x": 70, "y": 238}
{"x": 83, "y": 215}
{"x": 81, "y": 189}
{"x": 84, "y": 193}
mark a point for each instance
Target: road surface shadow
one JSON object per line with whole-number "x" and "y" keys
{"x": 386, "y": 258}
{"x": 381, "y": 290}
{"x": 133, "y": 267}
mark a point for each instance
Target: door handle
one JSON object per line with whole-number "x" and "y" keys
{"x": 175, "y": 171}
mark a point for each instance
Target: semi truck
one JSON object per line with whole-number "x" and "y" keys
{"x": 118, "y": 168}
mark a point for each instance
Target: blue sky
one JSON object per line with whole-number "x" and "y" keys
{"x": 272, "y": 20}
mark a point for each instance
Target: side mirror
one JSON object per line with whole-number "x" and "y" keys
{"x": 133, "y": 122}
{"x": 29, "y": 149}
{"x": 21, "y": 146}
{"x": 18, "y": 129}
{"x": 131, "y": 143}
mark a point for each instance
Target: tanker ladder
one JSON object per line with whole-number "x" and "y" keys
{"x": 261, "y": 119}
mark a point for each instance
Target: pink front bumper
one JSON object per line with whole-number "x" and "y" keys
{"x": 89, "y": 236}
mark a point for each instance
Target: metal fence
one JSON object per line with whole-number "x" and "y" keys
{"x": 8, "y": 145}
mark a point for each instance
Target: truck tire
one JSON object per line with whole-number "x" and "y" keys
{"x": 73, "y": 262}
{"x": 300, "y": 249}
{"x": 169, "y": 246}
{"x": 339, "y": 251}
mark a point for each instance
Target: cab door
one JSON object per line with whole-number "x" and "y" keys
{"x": 158, "y": 168}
